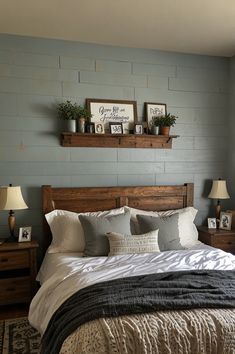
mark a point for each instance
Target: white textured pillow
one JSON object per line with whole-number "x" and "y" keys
{"x": 126, "y": 244}
{"x": 187, "y": 229}
{"x": 67, "y": 231}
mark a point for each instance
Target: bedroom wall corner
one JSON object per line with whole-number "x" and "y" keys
{"x": 231, "y": 140}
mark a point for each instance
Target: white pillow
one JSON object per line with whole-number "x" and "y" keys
{"x": 135, "y": 229}
{"x": 126, "y": 244}
{"x": 67, "y": 231}
{"x": 192, "y": 210}
{"x": 187, "y": 229}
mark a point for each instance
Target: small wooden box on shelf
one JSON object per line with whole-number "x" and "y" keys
{"x": 223, "y": 239}
{"x": 18, "y": 270}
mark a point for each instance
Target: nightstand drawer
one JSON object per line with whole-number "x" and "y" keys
{"x": 15, "y": 290}
{"x": 224, "y": 241}
{"x": 18, "y": 269}
{"x": 13, "y": 260}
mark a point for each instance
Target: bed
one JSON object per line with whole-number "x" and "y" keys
{"x": 68, "y": 276}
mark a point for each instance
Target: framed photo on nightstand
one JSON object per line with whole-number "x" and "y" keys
{"x": 211, "y": 223}
{"x": 233, "y": 217}
{"x": 225, "y": 221}
{"x": 25, "y": 234}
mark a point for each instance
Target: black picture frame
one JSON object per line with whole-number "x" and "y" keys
{"x": 115, "y": 128}
{"x": 138, "y": 129}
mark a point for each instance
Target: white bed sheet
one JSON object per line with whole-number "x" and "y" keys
{"x": 53, "y": 261}
{"x": 72, "y": 273}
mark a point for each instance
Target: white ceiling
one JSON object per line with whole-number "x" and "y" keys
{"x": 191, "y": 26}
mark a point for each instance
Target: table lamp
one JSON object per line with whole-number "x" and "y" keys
{"x": 11, "y": 198}
{"x": 218, "y": 191}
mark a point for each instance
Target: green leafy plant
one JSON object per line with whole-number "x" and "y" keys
{"x": 83, "y": 112}
{"x": 68, "y": 110}
{"x": 167, "y": 120}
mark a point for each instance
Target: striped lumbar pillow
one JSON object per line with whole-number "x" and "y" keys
{"x": 126, "y": 244}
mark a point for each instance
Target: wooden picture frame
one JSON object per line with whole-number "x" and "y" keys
{"x": 116, "y": 128}
{"x": 107, "y": 111}
{"x": 225, "y": 221}
{"x": 153, "y": 110}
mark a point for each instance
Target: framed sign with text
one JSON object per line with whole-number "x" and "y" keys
{"x": 153, "y": 110}
{"x": 112, "y": 111}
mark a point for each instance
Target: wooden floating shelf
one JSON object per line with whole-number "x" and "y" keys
{"x": 117, "y": 141}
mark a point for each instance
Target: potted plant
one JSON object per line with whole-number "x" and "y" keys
{"x": 69, "y": 112}
{"x": 83, "y": 116}
{"x": 154, "y": 127}
{"x": 164, "y": 122}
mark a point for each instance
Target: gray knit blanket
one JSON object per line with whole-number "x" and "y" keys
{"x": 139, "y": 294}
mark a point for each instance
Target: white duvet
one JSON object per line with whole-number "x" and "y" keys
{"x": 72, "y": 273}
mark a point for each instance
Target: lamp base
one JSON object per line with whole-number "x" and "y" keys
{"x": 218, "y": 210}
{"x": 217, "y": 213}
{"x": 11, "y": 223}
{"x": 11, "y": 239}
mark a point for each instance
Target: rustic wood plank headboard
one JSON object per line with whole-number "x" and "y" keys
{"x": 86, "y": 199}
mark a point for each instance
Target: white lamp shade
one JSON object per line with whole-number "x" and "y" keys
{"x": 219, "y": 190}
{"x": 11, "y": 198}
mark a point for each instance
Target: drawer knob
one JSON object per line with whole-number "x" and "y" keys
{"x": 4, "y": 259}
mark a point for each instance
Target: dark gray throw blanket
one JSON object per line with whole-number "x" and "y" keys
{"x": 140, "y": 294}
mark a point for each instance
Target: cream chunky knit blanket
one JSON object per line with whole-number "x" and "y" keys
{"x": 199, "y": 331}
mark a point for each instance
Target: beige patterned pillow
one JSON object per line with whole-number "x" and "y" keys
{"x": 126, "y": 244}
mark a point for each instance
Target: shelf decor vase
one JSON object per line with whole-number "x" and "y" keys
{"x": 155, "y": 130}
{"x": 71, "y": 125}
{"x": 81, "y": 125}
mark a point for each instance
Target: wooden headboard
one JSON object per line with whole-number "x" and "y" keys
{"x": 81, "y": 200}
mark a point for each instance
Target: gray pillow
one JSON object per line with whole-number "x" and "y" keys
{"x": 168, "y": 236}
{"x": 96, "y": 228}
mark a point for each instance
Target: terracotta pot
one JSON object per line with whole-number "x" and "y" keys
{"x": 164, "y": 130}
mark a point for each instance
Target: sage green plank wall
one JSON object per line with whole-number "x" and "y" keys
{"x": 36, "y": 74}
{"x": 231, "y": 140}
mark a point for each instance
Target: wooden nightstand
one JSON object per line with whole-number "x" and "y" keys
{"x": 223, "y": 239}
{"x": 18, "y": 269}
